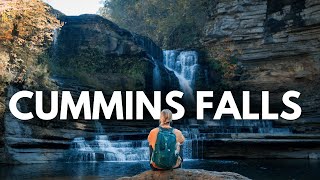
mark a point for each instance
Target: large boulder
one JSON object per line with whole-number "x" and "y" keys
{"x": 186, "y": 174}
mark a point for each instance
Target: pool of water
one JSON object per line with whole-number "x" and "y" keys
{"x": 255, "y": 169}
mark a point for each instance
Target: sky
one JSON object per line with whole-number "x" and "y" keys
{"x": 76, "y": 7}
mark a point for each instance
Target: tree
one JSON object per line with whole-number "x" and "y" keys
{"x": 160, "y": 20}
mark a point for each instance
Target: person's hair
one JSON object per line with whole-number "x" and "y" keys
{"x": 167, "y": 117}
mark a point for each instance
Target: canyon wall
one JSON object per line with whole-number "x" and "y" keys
{"x": 276, "y": 45}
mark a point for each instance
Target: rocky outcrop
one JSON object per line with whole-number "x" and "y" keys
{"x": 277, "y": 45}
{"x": 94, "y": 32}
{"x": 23, "y": 40}
{"x": 113, "y": 58}
{"x": 187, "y": 174}
{"x": 88, "y": 53}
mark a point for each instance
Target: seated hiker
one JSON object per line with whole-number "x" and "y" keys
{"x": 164, "y": 142}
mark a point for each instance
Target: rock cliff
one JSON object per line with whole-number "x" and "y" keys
{"x": 113, "y": 58}
{"x": 276, "y": 44}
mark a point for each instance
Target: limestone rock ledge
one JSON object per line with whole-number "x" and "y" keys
{"x": 186, "y": 174}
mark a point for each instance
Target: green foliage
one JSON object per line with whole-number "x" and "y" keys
{"x": 108, "y": 73}
{"x": 160, "y": 20}
{"x": 222, "y": 57}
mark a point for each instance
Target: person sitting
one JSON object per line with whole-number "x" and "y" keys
{"x": 164, "y": 143}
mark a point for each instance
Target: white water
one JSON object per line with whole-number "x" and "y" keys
{"x": 191, "y": 145}
{"x": 99, "y": 127}
{"x": 184, "y": 65}
{"x": 101, "y": 148}
{"x": 55, "y": 36}
{"x": 156, "y": 77}
{"x": 55, "y": 43}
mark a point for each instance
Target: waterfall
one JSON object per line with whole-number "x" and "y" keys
{"x": 191, "y": 144}
{"x": 103, "y": 149}
{"x": 56, "y": 32}
{"x": 99, "y": 127}
{"x": 55, "y": 37}
{"x": 82, "y": 151}
{"x": 156, "y": 76}
{"x": 184, "y": 65}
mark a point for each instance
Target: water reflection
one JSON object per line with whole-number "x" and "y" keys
{"x": 255, "y": 169}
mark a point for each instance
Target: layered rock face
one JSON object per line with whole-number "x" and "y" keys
{"x": 23, "y": 39}
{"x": 278, "y": 43}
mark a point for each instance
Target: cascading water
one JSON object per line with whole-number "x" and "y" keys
{"x": 55, "y": 37}
{"x": 184, "y": 65}
{"x": 99, "y": 127}
{"x": 101, "y": 148}
{"x": 81, "y": 151}
{"x": 156, "y": 76}
{"x": 55, "y": 43}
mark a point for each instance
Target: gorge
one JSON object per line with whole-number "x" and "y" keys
{"x": 242, "y": 46}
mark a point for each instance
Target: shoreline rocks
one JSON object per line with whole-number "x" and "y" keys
{"x": 186, "y": 174}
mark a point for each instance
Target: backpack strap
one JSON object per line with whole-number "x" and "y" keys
{"x": 164, "y": 129}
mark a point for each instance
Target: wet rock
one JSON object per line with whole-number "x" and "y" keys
{"x": 187, "y": 174}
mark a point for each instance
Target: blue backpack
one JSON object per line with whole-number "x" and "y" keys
{"x": 164, "y": 154}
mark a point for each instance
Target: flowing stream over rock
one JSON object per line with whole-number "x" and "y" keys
{"x": 55, "y": 44}
{"x": 101, "y": 148}
{"x": 156, "y": 76}
{"x": 184, "y": 65}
